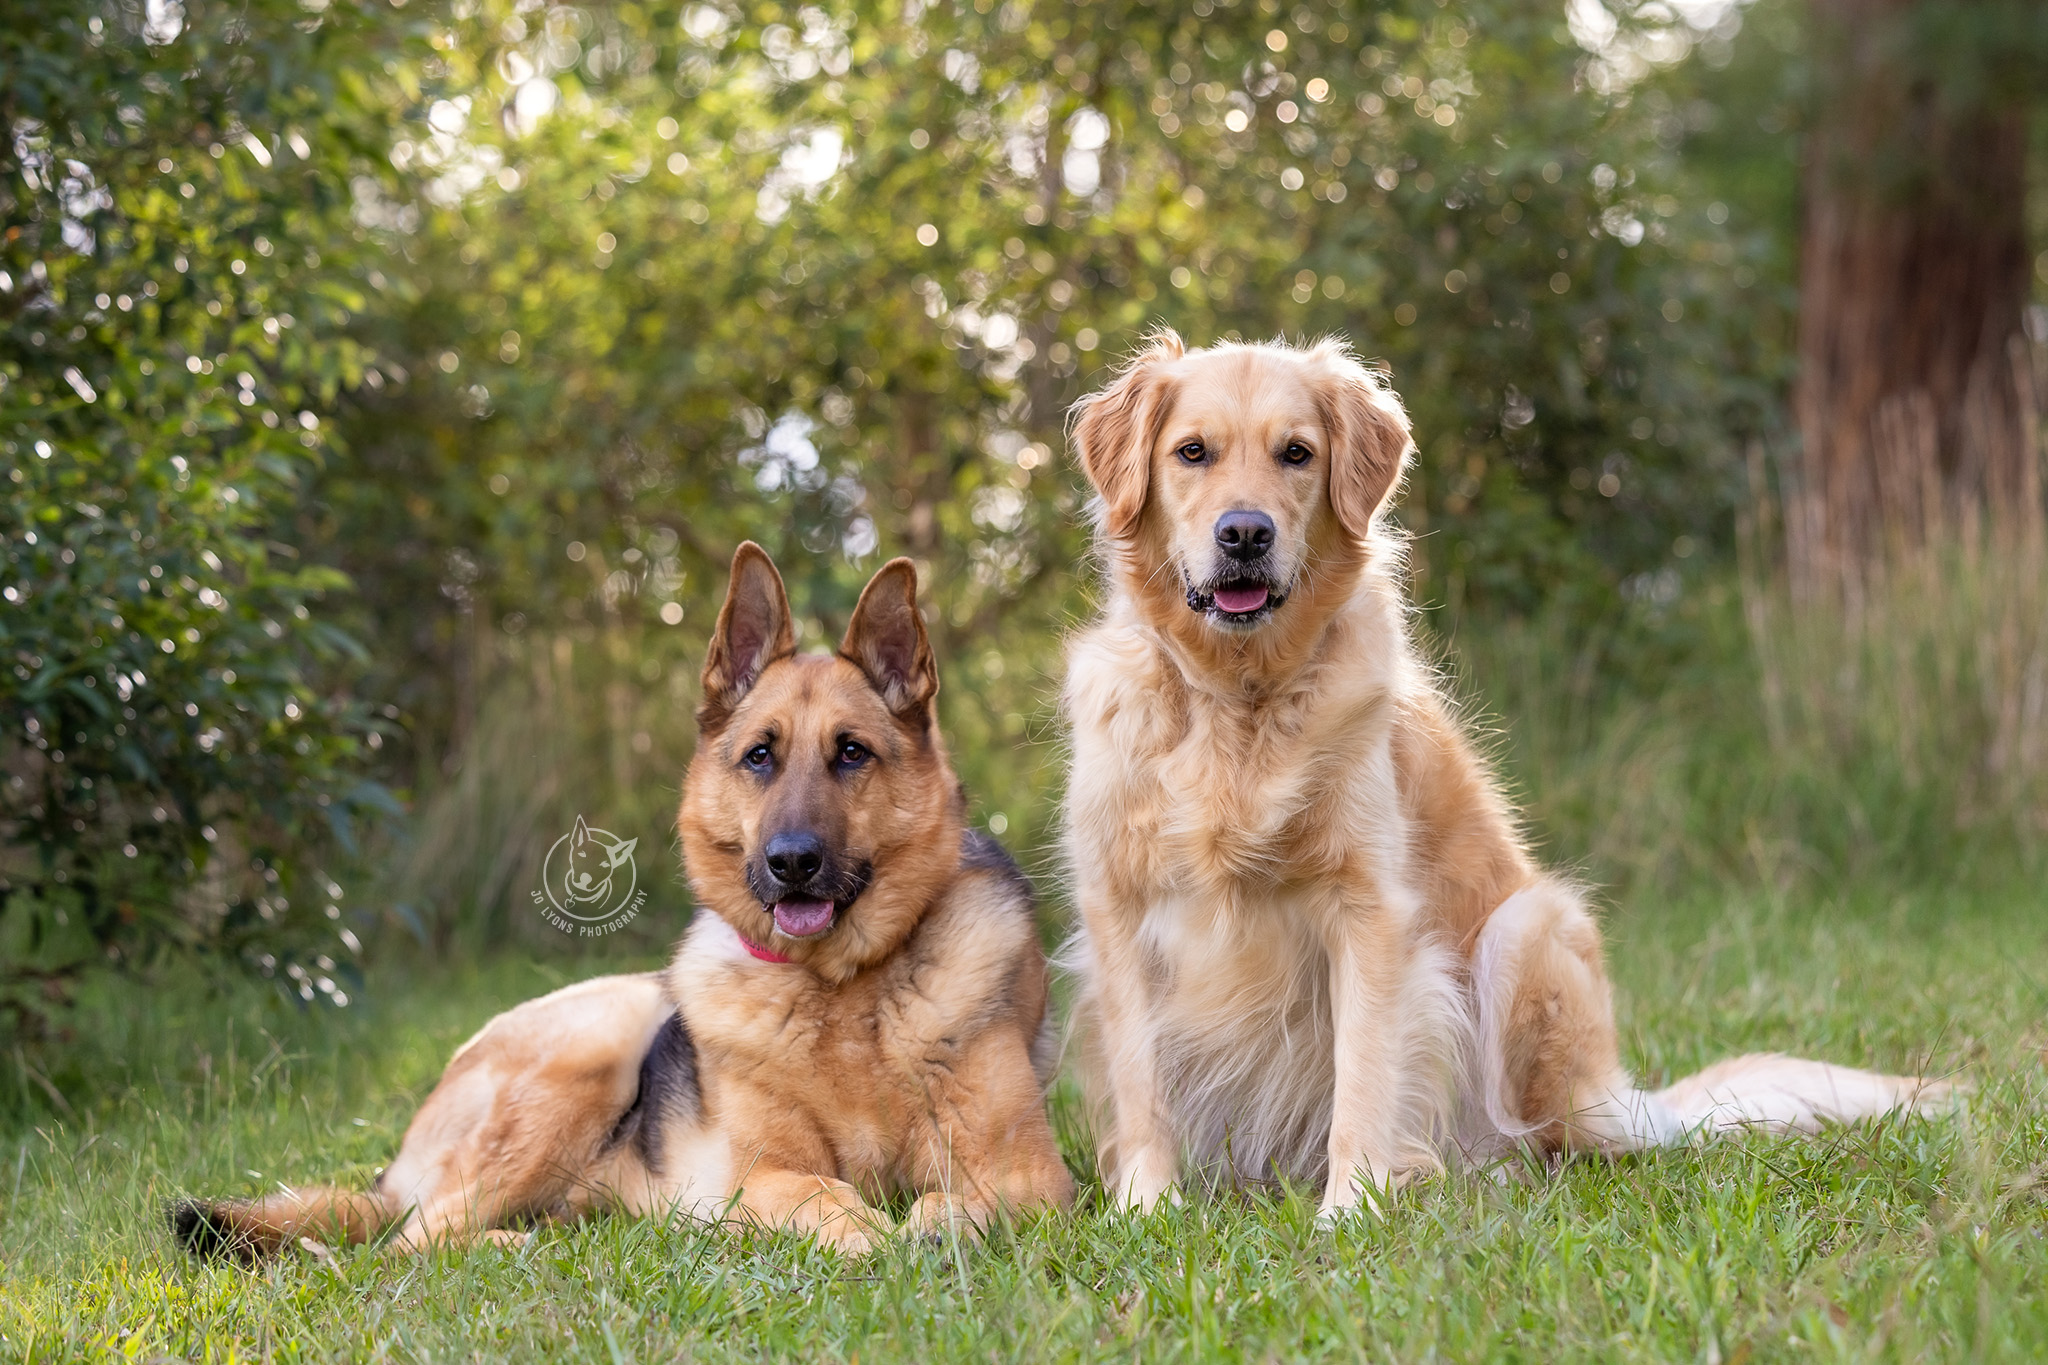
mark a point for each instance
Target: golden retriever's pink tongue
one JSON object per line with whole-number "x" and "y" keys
{"x": 801, "y": 919}
{"x": 1237, "y": 601}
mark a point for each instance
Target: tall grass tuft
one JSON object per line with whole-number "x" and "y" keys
{"x": 1749, "y": 732}
{"x": 1921, "y": 703}
{"x": 597, "y": 727}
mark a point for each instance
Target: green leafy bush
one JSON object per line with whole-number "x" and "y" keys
{"x": 179, "y": 268}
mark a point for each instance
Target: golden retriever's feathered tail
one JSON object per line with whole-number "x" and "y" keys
{"x": 1771, "y": 1091}
{"x": 1523, "y": 963}
{"x": 1763, "y": 1092}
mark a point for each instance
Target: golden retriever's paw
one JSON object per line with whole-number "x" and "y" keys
{"x": 1366, "y": 1190}
{"x": 1367, "y": 1209}
{"x": 510, "y": 1238}
{"x": 1141, "y": 1194}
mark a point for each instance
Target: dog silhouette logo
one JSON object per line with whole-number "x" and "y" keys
{"x": 589, "y": 882}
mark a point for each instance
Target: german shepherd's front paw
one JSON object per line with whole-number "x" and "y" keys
{"x": 848, "y": 1237}
{"x": 936, "y": 1216}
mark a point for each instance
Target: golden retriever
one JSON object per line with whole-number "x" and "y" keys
{"x": 862, "y": 1011}
{"x": 1313, "y": 941}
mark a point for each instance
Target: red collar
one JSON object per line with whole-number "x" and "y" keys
{"x": 765, "y": 954}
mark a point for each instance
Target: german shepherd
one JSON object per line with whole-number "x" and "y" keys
{"x": 863, "y": 1012}
{"x": 1314, "y": 942}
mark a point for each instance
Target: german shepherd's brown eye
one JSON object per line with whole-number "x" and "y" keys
{"x": 1192, "y": 453}
{"x": 760, "y": 758}
{"x": 1297, "y": 453}
{"x": 852, "y": 754}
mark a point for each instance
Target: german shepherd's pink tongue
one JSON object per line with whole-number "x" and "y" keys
{"x": 801, "y": 919}
{"x": 1238, "y": 600}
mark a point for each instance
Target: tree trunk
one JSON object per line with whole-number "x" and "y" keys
{"x": 1913, "y": 396}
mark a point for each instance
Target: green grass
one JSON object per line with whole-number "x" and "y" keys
{"x": 1891, "y": 1241}
{"x": 1754, "y": 758}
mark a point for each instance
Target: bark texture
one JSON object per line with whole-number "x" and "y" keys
{"x": 1915, "y": 402}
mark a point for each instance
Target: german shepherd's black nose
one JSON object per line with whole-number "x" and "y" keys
{"x": 795, "y": 858}
{"x": 1244, "y": 535}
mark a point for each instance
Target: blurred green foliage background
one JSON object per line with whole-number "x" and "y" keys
{"x": 383, "y": 388}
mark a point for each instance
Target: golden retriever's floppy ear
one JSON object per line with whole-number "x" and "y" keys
{"x": 886, "y": 640}
{"x": 1114, "y": 430}
{"x": 754, "y": 630}
{"x": 1369, "y": 433}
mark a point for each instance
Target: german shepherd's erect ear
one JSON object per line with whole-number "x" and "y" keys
{"x": 754, "y": 630}
{"x": 886, "y": 640}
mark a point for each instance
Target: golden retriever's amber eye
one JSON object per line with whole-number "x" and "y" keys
{"x": 760, "y": 758}
{"x": 851, "y": 754}
{"x": 1192, "y": 453}
{"x": 1297, "y": 453}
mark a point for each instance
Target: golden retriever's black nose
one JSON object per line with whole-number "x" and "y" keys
{"x": 1244, "y": 535}
{"x": 795, "y": 858}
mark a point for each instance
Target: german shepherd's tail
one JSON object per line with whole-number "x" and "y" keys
{"x": 250, "y": 1229}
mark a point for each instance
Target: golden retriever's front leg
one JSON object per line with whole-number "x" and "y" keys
{"x": 1367, "y": 962}
{"x": 1141, "y": 1158}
